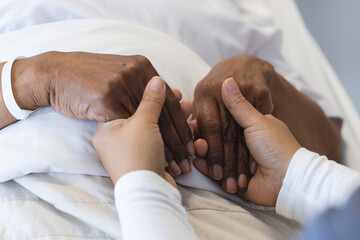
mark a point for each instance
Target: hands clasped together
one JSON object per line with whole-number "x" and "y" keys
{"x": 102, "y": 87}
{"x": 269, "y": 141}
{"x": 246, "y": 151}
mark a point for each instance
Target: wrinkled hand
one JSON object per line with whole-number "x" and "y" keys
{"x": 141, "y": 145}
{"x": 227, "y": 156}
{"x": 105, "y": 87}
{"x": 270, "y": 143}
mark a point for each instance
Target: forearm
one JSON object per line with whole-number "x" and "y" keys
{"x": 29, "y": 87}
{"x": 311, "y": 127}
{"x": 312, "y": 184}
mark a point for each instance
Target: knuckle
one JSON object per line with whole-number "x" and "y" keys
{"x": 268, "y": 67}
{"x": 263, "y": 102}
{"x": 229, "y": 133}
{"x": 142, "y": 60}
{"x": 214, "y": 155}
{"x": 205, "y": 87}
{"x": 230, "y": 167}
{"x": 164, "y": 121}
{"x": 262, "y": 95}
{"x": 243, "y": 158}
{"x": 130, "y": 68}
{"x": 178, "y": 152}
{"x": 173, "y": 103}
{"x": 212, "y": 127}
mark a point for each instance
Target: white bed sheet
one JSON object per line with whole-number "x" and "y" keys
{"x": 56, "y": 144}
{"x": 218, "y": 209}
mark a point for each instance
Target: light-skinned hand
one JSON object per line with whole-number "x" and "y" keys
{"x": 269, "y": 141}
{"x": 126, "y": 145}
{"x": 227, "y": 158}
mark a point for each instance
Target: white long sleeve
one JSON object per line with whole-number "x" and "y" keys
{"x": 150, "y": 208}
{"x": 312, "y": 184}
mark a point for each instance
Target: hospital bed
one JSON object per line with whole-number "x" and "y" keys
{"x": 57, "y": 190}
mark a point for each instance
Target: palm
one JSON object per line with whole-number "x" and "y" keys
{"x": 262, "y": 189}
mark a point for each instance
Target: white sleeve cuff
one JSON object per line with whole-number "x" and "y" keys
{"x": 312, "y": 184}
{"x": 150, "y": 208}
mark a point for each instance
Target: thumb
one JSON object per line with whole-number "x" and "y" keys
{"x": 153, "y": 100}
{"x": 241, "y": 110}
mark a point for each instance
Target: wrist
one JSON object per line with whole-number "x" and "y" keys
{"x": 29, "y": 83}
{"x": 283, "y": 168}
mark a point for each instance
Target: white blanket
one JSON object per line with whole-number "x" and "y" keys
{"x": 76, "y": 206}
{"x": 50, "y": 142}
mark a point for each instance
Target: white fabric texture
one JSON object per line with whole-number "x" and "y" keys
{"x": 150, "y": 208}
{"x": 47, "y": 133}
{"x": 222, "y": 26}
{"x": 64, "y": 197}
{"x": 314, "y": 183}
{"x": 70, "y": 152}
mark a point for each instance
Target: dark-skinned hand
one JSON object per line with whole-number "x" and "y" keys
{"x": 105, "y": 87}
{"x": 228, "y": 159}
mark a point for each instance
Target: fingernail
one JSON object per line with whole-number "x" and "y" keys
{"x": 185, "y": 166}
{"x": 156, "y": 83}
{"x": 175, "y": 168}
{"x": 243, "y": 181}
{"x": 231, "y": 85}
{"x": 231, "y": 186}
{"x": 217, "y": 172}
{"x": 169, "y": 170}
{"x": 191, "y": 149}
{"x": 253, "y": 167}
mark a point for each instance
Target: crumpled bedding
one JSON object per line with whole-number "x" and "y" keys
{"x": 70, "y": 205}
{"x": 61, "y": 147}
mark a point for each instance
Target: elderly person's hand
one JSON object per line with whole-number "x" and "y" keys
{"x": 227, "y": 156}
{"x": 101, "y": 87}
{"x": 269, "y": 141}
{"x": 126, "y": 145}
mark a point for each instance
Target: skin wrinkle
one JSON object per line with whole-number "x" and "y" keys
{"x": 259, "y": 83}
{"x": 92, "y": 86}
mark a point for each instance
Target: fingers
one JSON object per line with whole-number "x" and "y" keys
{"x": 230, "y": 146}
{"x": 243, "y": 161}
{"x": 253, "y": 165}
{"x": 194, "y": 129}
{"x": 171, "y": 139}
{"x": 173, "y": 168}
{"x": 178, "y": 120}
{"x": 170, "y": 180}
{"x": 177, "y": 93}
{"x": 150, "y": 108}
{"x": 211, "y": 130}
{"x": 242, "y": 111}
{"x": 187, "y": 108}
{"x": 201, "y": 148}
{"x": 153, "y": 100}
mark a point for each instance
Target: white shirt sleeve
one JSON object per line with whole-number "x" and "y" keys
{"x": 312, "y": 184}
{"x": 150, "y": 208}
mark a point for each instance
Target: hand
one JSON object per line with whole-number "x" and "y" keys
{"x": 270, "y": 143}
{"x": 105, "y": 87}
{"x": 126, "y": 145}
{"x": 227, "y": 156}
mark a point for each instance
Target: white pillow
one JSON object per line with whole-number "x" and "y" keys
{"x": 49, "y": 142}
